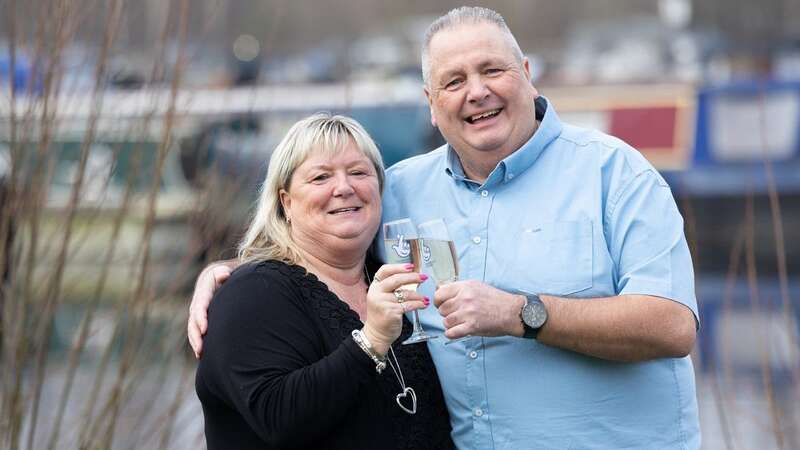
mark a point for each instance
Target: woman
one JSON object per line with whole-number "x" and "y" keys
{"x": 298, "y": 334}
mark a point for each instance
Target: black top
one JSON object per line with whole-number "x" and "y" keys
{"x": 280, "y": 370}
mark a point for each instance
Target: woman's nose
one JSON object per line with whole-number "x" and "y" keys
{"x": 342, "y": 186}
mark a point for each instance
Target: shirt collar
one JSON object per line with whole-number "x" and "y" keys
{"x": 452, "y": 165}
{"x": 549, "y": 128}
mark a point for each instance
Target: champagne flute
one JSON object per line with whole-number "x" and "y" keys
{"x": 402, "y": 246}
{"x": 439, "y": 253}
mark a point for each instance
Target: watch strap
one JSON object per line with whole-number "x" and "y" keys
{"x": 530, "y": 332}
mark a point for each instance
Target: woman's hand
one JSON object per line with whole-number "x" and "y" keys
{"x": 384, "y": 307}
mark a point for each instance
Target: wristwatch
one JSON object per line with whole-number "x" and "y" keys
{"x": 533, "y": 315}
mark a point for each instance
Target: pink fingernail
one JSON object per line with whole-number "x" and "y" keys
{"x": 423, "y": 277}
{"x": 426, "y": 300}
{"x": 409, "y": 266}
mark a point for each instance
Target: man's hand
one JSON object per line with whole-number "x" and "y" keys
{"x": 474, "y": 308}
{"x": 210, "y": 279}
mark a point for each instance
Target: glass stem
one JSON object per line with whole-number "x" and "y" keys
{"x": 415, "y": 323}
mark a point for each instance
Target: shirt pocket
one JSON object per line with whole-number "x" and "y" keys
{"x": 554, "y": 257}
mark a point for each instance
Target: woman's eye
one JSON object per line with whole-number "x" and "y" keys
{"x": 320, "y": 177}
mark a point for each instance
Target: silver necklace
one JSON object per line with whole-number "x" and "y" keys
{"x": 407, "y": 391}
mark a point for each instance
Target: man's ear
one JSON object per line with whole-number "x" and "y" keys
{"x": 526, "y": 68}
{"x": 286, "y": 203}
{"x": 430, "y": 104}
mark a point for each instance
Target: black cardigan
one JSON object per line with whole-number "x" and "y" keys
{"x": 280, "y": 370}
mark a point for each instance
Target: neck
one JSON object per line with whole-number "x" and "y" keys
{"x": 478, "y": 169}
{"x": 343, "y": 278}
{"x": 346, "y": 272}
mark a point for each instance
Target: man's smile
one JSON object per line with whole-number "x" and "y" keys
{"x": 477, "y": 118}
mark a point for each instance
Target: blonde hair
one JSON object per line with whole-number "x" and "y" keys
{"x": 461, "y": 16}
{"x": 269, "y": 234}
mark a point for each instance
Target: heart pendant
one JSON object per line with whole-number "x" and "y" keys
{"x": 405, "y": 394}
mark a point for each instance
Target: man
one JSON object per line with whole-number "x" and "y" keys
{"x": 577, "y": 281}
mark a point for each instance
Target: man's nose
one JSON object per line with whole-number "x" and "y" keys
{"x": 477, "y": 90}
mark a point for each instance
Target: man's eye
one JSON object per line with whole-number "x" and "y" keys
{"x": 493, "y": 71}
{"x": 452, "y": 84}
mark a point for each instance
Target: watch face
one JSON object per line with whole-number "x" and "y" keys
{"x": 533, "y": 314}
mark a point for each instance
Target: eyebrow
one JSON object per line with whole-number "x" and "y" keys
{"x": 324, "y": 166}
{"x": 450, "y": 73}
{"x": 490, "y": 61}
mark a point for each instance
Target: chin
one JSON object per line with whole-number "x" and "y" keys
{"x": 351, "y": 232}
{"x": 490, "y": 140}
{"x": 356, "y": 242}
{"x": 489, "y": 146}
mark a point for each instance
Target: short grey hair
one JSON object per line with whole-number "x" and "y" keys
{"x": 269, "y": 234}
{"x": 461, "y": 16}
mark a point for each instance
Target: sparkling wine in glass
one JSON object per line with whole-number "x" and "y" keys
{"x": 439, "y": 253}
{"x": 401, "y": 243}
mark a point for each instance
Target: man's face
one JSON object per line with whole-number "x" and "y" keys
{"x": 480, "y": 96}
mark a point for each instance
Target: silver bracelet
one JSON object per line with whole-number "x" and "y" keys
{"x": 363, "y": 342}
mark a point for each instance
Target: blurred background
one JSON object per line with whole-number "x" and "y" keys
{"x": 133, "y": 136}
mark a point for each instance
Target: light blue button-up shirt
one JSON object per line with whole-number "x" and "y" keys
{"x": 573, "y": 213}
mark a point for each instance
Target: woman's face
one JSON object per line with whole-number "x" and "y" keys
{"x": 334, "y": 201}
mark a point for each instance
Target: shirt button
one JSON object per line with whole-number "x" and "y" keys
{"x": 478, "y": 412}
{"x": 484, "y": 193}
{"x": 476, "y": 239}
{"x": 473, "y": 354}
{"x": 510, "y": 176}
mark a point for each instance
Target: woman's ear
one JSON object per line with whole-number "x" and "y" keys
{"x": 286, "y": 203}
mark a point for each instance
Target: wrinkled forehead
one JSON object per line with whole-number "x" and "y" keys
{"x": 346, "y": 152}
{"x": 449, "y": 46}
